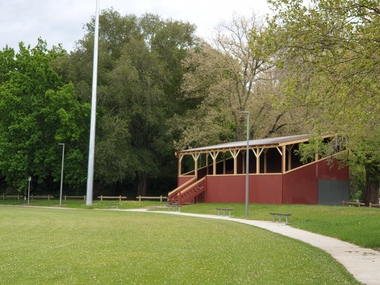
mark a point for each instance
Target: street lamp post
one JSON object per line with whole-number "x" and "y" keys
{"x": 29, "y": 179}
{"x": 247, "y": 166}
{"x": 62, "y": 166}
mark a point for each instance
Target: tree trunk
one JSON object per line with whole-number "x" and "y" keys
{"x": 371, "y": 191}
{"x": 142, "y": 183}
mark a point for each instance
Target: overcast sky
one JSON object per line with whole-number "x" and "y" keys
{"x": 61, "y": 21}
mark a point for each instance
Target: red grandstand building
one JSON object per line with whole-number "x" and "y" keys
{"x": 276, "y": 174}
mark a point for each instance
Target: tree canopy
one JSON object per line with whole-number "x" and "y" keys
{"x": 38, "y": 111}
{"x": 229, "y": 75}
{"x": 328, "y": 50}
{"x": 139, "y": 81}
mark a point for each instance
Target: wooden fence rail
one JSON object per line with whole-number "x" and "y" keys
{"x": 101, "y": 197}
{"x": 19, "y": 196}
{"x": 161, "y": 198}
{"x": 75, "y": 197}
{"x": 358, "y": 204}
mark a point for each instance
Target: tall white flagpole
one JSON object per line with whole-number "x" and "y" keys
{"x": 91, "y": 154}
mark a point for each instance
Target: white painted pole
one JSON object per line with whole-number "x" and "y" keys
{"x": 91, "y": 154}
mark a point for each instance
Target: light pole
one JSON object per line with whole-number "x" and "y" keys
{"x": 63, "y": 164}
{"x": 247, "y": 166}
{"x": 29, "y": 179}
{"x": 91, "y": 151}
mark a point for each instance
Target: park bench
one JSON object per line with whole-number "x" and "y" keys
{"x": 280, "y": 215}
{"x": 224, "y": 211}
{"x": 112, "y": 206}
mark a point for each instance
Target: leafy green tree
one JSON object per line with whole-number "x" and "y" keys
{"x": 328, "y": 50}
{"x": 37, "y": 112}
{"x": 139, "y": 77}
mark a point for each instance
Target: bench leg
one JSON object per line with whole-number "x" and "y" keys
{"x": 280, "y": 219}
{"x": 286, "y": 220}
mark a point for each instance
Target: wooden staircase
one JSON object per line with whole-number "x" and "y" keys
{"x": 187, "y": 191}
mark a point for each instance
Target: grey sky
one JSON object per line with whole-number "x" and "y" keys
{"x": 61, "y": 21}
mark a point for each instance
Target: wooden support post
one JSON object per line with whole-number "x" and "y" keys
{"x": 196, "y": 157}
{"x": 214, "y": 155}
{"x": 258, "y": 161}
{"x": 180, "y": 157}
{"x": 283, "y": 163}
{"x": 224, "y": 163}
{"x": 235, "y": 154}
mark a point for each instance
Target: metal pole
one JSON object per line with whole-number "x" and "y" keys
{"x": 90, "y": 173}
{"x": 247, "y": 166}
{"x": 29, "y": 179}
{"x": 63, "y": 164}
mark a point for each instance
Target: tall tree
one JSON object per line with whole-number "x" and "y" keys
{"x": 139, "y": 76}
{"x": 226, "y": 76}
{"x": 37, "y": 112}
{"x": 329, "y": 51}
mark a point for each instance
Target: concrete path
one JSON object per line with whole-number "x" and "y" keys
{"x": 362, "y": 263}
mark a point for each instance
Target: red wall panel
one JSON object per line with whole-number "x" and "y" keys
{"x": 330, "y": 169}
{"x": 266, "y": 189}
{"x": 225, "y": 189}
{"x": 301, "y": 186}
{"x": 183, "y": 179}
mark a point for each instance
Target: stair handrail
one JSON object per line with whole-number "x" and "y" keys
{"x": 190, "y": 187}
{"x": 179, "y": 188}
{"x": 190, "y": 190}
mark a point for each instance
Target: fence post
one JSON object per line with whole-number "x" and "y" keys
{"x": 84, "y": 197}
{"x": 101, "y": 198}
{"x": 160, "y": 198}
{"x": 120, "y": 198}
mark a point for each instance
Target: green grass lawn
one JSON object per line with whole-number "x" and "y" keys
{"x": 77, "y": 246}
{"x": 360, "y": 226}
